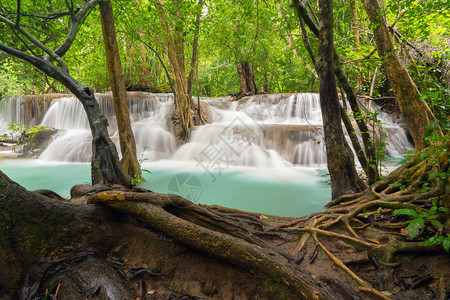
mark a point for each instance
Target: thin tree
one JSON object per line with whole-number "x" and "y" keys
{"x": 416, "y": 112}
{"x": 173, "y": 33}
{"x": 370, "y": 167}
{"x": 127, "y": 143}
{"x": 105, "y": 167}
{"x": 341, "y": 165}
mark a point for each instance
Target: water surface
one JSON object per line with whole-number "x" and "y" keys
{"x": 285, "y": 192}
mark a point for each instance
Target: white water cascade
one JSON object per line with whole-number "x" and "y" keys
{"x": 280, "y": 130}
{"x": 263, "y": 154}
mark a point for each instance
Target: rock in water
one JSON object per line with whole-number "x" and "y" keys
{"x": 36, "y": 140}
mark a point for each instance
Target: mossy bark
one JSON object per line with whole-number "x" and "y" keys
{"x": 33, "y": 227}
{"x": 416, "y": 112}
{"x": 40, "y": 235}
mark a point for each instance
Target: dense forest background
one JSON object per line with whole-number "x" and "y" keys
{"x": 265, "y": 35}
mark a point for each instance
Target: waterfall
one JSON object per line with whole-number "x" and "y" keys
{"x": 267, "y": 131}
{"x": 148, "y": 114}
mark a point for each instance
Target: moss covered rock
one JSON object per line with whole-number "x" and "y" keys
{"x": 36, "y": 140}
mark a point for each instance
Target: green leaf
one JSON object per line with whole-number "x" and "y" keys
{"x": 394, "y": 185}
{"x": 435, "y": 174}
{"x": 423, "y": 155}
{"x": 434, "y": 240}
{"x": 432, "y": 210}
{"x": 446, "y": 245}
{"x": 441, "y": 208}
{"x": 414, "y": 226}
{"x": 386, "y": 293}
{"x": 437, "y": 224}
{"x": 405, "y": 211}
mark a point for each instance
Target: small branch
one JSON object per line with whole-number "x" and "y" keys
{"x": 368, "y": 98}
{"x": 18, "y": 14}
{"x": 36, "y": 42}
{"x": 363, "y": 58}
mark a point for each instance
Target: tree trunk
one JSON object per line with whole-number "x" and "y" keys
{"x": 246, "y": 79}
{"x": 105, "y": 165}
{"x": 193, "y": 68}
{"x": 129, "y": 160}
{"x": 354, "y": 30}
{"x": 36, "y": 231}
{"x": 372, "y": 170}
{"x": 175, "y": 52}
{"x": 344, "y": 178}
{"x": 416, "y": 112}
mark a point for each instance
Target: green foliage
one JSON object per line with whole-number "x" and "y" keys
{"x": 12, "y": 82}
{"x": 16, "y": 128}
{"x": 429, "y": 218}
{"x": 137, "y": 177}
{"x": 265, "y": 33}
{"x": 399, "y": 185}
{"x": 445, "y": 240}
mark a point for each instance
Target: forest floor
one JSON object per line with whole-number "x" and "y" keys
{"x": 356, "y": 249}
{"x": 152, "y": 265}
{"x": 157, "y": 267}
{"x": 413, "y": 276}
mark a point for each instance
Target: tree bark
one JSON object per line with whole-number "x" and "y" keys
{"x": 129, "y": 160}
{"x": 416, "y": 112}
{"x": 193, "y": 68}
{"x": 175, "y": 53}
{"x": 372, "y": 170}
{"x": 106, "y": 167}
{"x": 34, "y": 227}
{"x": 246, "y": 79}
{"x": 344, "y": 178}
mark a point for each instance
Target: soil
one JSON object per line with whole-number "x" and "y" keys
{"x": 153, "y": 266}
{"x": 190, "y": 273}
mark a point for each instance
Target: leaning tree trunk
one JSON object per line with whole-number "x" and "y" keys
{"x": 416, "y": 112}
{"x": 341, "y": 165}
{"x": 127, "y": 143}
{"x": 105, "y": 165}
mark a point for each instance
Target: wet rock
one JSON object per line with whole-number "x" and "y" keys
{"x": 36, "y": 140}
{"x": 80, "y": 193}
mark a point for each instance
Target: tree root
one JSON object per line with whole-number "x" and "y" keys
{"x": 371, "y": 212}
{"x": 188, "y": 226}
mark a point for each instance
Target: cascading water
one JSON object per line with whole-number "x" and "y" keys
{"x": 262, "y": 147}
{"x": 148, "y": 113}
{"x": 261, "y": 131}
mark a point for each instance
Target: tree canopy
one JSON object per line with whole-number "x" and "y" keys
{"x": 265, "y": 33}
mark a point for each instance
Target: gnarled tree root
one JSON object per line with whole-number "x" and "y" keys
{"x": 200, "y": 229}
